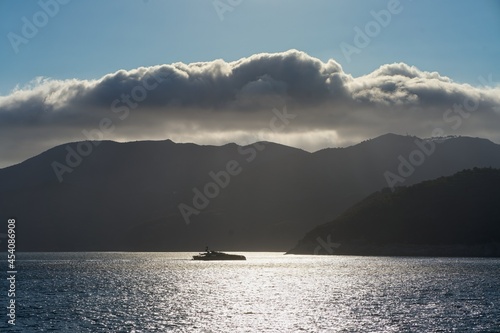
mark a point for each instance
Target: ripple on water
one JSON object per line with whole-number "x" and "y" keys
{"x": 165, "y": 292}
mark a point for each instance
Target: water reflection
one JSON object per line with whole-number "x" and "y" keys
{"x": 270, "y": 292}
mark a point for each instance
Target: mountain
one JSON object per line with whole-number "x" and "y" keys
{"x": 166, "y": 196}
{"x": 457, "y": 215}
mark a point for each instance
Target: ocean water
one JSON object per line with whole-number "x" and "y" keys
{"x": 270, "y": 292}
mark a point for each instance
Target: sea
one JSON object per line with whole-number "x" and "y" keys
{"x": 269, "y": 292}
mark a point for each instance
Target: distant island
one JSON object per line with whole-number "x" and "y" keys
{"x": 457, "y": 215}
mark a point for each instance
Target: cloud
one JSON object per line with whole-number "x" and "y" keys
{"x": 217, "y": 102}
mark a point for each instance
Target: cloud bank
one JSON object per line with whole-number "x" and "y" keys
{"x": 218, "y": 102}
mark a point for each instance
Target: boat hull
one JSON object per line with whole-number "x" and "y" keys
{"x": 211, "y": 257}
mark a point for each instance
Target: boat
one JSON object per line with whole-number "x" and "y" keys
{"x": 216, "y": 255}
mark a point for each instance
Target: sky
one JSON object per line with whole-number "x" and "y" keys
{"x": 213, "y": 72}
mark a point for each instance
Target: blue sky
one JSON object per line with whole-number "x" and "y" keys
{"x": 88, "y": 39}
{"x": 398, "y": 66}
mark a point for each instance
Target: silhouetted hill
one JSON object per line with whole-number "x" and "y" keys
{"x": 457, "y": 215}
{"x": 126, "y": 196}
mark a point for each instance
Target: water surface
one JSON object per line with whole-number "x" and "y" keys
{"x": 270, "y": 292}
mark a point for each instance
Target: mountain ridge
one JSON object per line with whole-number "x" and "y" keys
{"x": 126, "y": 196}
{"x": 455, "y": 215}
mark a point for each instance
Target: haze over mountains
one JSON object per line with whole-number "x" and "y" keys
{"x": 156, "y": 195}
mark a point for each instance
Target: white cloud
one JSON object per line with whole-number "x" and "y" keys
{"x": 218, "y": 102}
